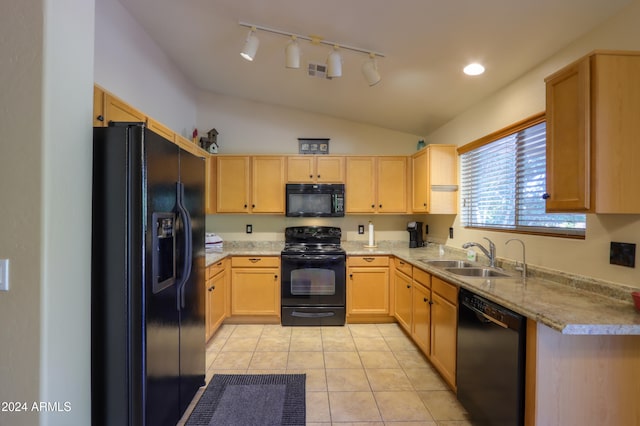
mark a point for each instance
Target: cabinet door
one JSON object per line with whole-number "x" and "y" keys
{"x": 420, "y": 182}
{"x": 217, "y": 293}
{"x": 444, "y": 325}
{"x": 360, "y": 187}
{"x": 117, "y": 110}
{"x": 443, "y": 179}
{"x": 329, "y": 169}
{"x": 98, "y": 107}
{"x": 402, "y": 300}
{"x": 210, "y": 188}
{"x": 267, "y": 195}
{"x": 421, "y": 327}
{"x": 255, "y": 291}
{"x": 232, "y": 184}
{"x": 392, "y": 184}
{"x": 568, "y": 139}
{"x": 300, "y": 169}
{"x": 160, "y": 129}
{"x": 368, "y": 291}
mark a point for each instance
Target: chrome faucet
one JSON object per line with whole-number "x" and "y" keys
{"x": 491, "y": 253}
{"x": 523, "y": 267}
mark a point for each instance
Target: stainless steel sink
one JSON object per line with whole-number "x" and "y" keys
{"x": 447, "y": 263}
{"x": 478, "y": 272}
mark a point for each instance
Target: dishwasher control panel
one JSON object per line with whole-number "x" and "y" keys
{"x": 490, "y": 309}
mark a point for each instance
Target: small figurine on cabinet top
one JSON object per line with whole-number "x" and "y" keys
{"x": 210, "y": 143}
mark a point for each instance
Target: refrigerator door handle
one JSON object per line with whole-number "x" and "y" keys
{"x": 188, "y": 244}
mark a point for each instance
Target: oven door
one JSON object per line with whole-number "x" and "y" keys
{"x": 313, "y": 280}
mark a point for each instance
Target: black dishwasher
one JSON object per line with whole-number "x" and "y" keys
{"x": 491, "y": 356}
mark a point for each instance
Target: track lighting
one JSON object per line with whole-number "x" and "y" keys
{"x": 334, "y": 63}
{"x": 292, "y": 52}
{"x": 250, "y": 45}
{"x": 370, "y": 70}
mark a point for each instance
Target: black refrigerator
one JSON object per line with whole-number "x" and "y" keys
{"x": 148, "y": 260}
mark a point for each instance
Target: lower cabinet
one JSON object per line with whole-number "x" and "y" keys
{"x": 444, "y": 328}
{"x": 255, "y": 286}
{"x": 367, "y": 287}
{"x": 216, "y": 296}
{"x": 402, "y": 299}
{"x": 421, "y": 326}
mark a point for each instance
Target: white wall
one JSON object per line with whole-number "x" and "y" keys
{"x": 251, "y": 127}
{"x": 130, "y": 65}
{"x": 523, "y": 98}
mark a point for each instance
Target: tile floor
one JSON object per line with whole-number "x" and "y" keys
{"x": 364, "y": 374}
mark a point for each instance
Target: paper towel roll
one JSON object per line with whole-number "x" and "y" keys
{"x": 371, "y": 238}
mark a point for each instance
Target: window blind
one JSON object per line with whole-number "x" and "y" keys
{"x": 503, "y": 182}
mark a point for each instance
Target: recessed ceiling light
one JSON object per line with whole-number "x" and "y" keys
{"x": 473, "y": 69}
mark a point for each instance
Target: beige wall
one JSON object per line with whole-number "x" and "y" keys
{"x": 523, "y": 98}
{"x": 45, "y": 178}
{"x": 21, "y": 206}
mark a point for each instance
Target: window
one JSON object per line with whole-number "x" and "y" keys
{"x": 503, "y": 180}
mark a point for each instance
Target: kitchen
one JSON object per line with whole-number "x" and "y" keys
{"x": 522, "y": 98}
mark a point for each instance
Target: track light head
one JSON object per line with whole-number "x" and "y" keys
{"x": 370, "y": 70}
{"x": 292, "y": 53}
{"x": 334, "y": 63}
{"x": 250, "y": 46}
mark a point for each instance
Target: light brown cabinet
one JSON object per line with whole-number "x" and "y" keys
{"x": 255, "y": 286}
{"x": 376, "y": 184}
{"x": 98, "y": 107}
{"x": 402, "y": 298}
{"x": 250, "y": 184}
{"x": 367, "y": 287}
{"x": 216, "y": 297}
{"x": 434, "y": 175}
{"x": 444, "y": 326}
{"x": 592, "y": 107}
{"x": 421, "y": 326}
{"x": 117, "y": 110}
{"x": 315, "y": 169}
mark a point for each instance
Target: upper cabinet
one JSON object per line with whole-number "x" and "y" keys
{"x": 376, "y": 185}
{"x": 592, "y": 107}
{"x": 250, "y": 184}
{"x": 435, "y": 180}
{"x": 315, "y": 169}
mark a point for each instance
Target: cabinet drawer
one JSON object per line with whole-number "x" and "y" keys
{"x": 368, "y": 260}
{"x": 255, "y": 262}
{"x": 216, "y": 268}
{"x": 444, "y": 289}
{"x": 422, "y": 277}
{"x": 403, "y": 266}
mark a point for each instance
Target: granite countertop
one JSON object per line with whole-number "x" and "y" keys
{"x": 566, "y": 303}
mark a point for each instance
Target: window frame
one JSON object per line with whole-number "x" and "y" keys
{"x": 572, "y": 233}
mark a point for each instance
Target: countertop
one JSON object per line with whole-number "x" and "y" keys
{"x": 569, "y": 304}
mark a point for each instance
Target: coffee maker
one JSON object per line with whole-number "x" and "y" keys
{"x": 415, "y": 234}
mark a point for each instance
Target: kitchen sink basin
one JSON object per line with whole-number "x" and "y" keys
{"x": 478, "y": 272}
{"x": 447, "y": 263}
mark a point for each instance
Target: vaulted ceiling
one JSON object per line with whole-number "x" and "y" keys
{"x": 426, "y": 44}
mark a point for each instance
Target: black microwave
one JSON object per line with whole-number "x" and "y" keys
{"x": 315, "y": 200}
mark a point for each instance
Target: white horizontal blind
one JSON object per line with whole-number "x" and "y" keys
{"x": 503, "y": 182}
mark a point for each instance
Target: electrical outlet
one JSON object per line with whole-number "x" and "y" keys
{"x": 4, "y": 274}
{"x": 249, "y": 229}
{"x": 450, "y": 232}
{"x": 360, "y": 229}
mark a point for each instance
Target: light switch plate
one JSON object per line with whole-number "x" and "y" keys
{"x": 4, "y": 274}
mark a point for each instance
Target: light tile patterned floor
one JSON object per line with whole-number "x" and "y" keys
{"x": 364, "y": 374}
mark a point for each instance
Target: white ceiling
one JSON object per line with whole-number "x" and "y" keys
{"x": 426, "y": 44}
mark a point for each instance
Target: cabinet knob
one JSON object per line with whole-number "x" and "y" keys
{"x": 425, "y": 299}
{"x": 431, "y": 302}
{"x": 350, "y": 276}
{"x": 546, "y": 196}
{"x": 380, "y": 206}
{"x": 100, "y": 118}
{"x": 424, "y": 204}
{"x": 408, "y": 286}
{"x": 373, "y": 206}
{"x": 310, "y": 176}
{"x": 253, "y": 206}
{"x": 245, "y": 206}
{"x": 318, "y": 176}
{"x": 276, "y": 276}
